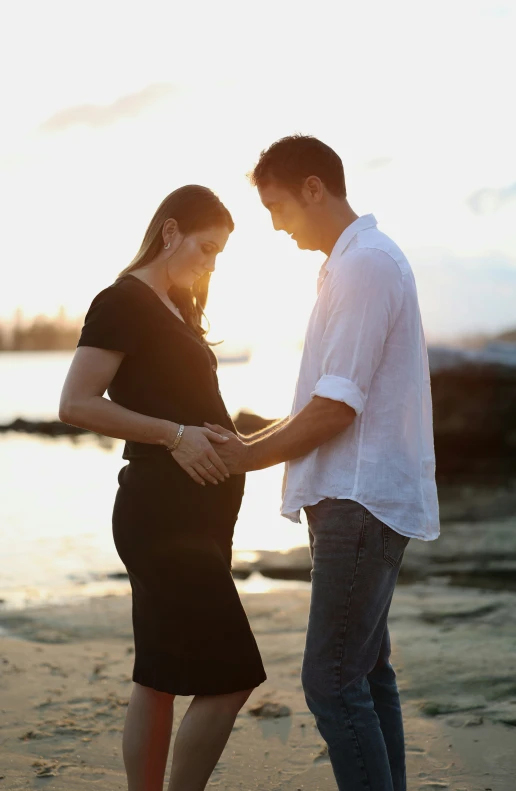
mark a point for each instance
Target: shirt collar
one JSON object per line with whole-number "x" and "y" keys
{"x": 348, "y": 234}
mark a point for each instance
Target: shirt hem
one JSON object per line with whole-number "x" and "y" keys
{"x": 294, "y": 516}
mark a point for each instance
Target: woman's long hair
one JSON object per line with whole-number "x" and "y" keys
{"x": 194, "y": 208}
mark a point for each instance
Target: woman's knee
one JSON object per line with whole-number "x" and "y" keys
{"x": 232, "y": 702}
{"x": 154, "y": 695}
{"x": 241, "y": 697}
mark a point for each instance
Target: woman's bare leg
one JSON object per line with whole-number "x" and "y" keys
{"x": 146, "y": 740}
{"x": 201, "y": 738}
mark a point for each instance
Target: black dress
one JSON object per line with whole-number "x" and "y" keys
{"x": 173, "y": 535}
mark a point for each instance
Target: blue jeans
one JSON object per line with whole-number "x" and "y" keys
{"x": 349, "y": 683}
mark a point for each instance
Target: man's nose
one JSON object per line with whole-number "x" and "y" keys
{"x": 211, "y": 266}
{"x": 277, "y": 224}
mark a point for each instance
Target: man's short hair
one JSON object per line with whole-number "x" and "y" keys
{"x": 293, "y": 159}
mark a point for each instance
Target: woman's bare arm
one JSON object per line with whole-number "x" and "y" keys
{"x": 83, "y": 404}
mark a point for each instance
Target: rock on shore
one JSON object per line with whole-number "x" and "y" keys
{"x": 474, "y": 406}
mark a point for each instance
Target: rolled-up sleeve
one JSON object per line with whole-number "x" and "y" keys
{"x": 365, "y": 299}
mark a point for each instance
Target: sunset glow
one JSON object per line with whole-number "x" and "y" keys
{"x": 125, "y": 106}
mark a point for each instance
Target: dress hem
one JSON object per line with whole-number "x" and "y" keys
{"x": 187, "y": 688}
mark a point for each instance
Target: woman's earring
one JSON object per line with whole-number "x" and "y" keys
{"x": 167, "y": 246}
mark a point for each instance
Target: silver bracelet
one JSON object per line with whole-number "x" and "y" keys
{"x": 177, "y": 440}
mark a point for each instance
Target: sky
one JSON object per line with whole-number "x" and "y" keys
{"x": 109, "y": 106}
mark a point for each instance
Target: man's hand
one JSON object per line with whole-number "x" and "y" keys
{"x": 234, "y": 452}
{"x": 197, "y": 456}
{"x": 318, "y": 422}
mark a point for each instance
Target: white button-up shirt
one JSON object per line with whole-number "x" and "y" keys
{"x": 365, "y": 346}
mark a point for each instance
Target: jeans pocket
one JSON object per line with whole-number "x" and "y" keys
{"x": 394, "y": 545}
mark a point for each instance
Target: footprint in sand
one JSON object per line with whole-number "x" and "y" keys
{"x": 270, "y": 710}
{"x": 45, "y": 703}
{"x": 55, "y": 670}
{"x": 29, "y": 735}
{"x": 45, "y": 768}
{"x": 323, "y": 756}
{"x": 97, "y": 674}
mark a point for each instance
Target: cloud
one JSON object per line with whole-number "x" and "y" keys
{"x": 489, "y": 200}
{"x": 377, "y": 163}
{"x": 497, "y": 10}
{"x": 99, "y": 115}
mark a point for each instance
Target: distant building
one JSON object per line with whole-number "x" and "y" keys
{"x": 40, "y": 334}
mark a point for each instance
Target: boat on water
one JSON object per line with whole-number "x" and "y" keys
{"x": 232, "y": 358}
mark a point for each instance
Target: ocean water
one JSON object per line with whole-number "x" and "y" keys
{"x": 56, "y": 495}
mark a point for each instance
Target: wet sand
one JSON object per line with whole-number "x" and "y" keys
{"x": 65, "y": 680}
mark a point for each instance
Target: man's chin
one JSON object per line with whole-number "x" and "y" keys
{"x": 307, "y": 246}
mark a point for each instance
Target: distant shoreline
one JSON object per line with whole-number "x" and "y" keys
{"x": 245, "y": 422}
{"x": 474, "y": 419}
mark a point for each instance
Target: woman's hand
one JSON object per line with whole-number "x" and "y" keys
{"x": 196, "y": 455}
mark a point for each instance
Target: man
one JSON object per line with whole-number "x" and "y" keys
{"x": 359, "y": 453}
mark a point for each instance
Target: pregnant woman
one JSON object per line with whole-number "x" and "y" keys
{"x": 176, "y": 505}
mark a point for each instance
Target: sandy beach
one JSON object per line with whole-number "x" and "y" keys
{"x": 66, "y": 677}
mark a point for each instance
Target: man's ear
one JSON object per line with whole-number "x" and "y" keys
{"x": 313, "y": 189}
